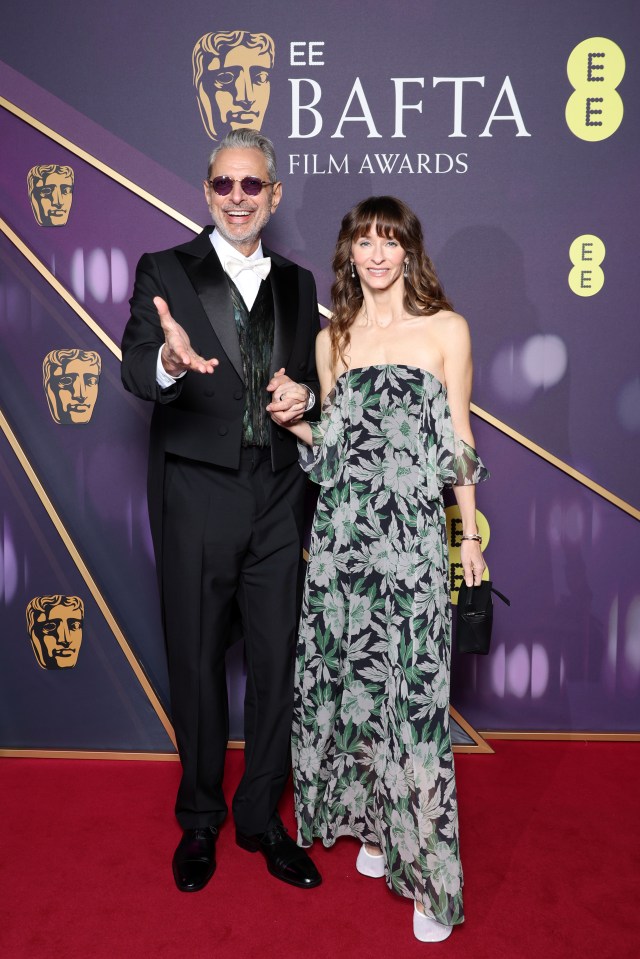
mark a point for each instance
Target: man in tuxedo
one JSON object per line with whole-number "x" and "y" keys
{"x": 221, "y": 336}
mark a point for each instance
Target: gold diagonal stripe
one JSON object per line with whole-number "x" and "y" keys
{"x": 61, "y": 290}
{"x": 481, "y": 746}
{"x": 560, "y": 464}
{"x": 108, "y": 754}
{"x": 88, "y": 578}
{"x": 559, "y": 735}
{"x": 169, "y": 211}
{"x": 98, "y": 164}
{"x": 30, "y": 284}
{"x": 100, "y": 754}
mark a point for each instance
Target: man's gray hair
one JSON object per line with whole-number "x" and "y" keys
{"x": 247, "y": 140}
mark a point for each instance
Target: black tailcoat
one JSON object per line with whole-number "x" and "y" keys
{"x": 200, "y": 417}
{"x": 226, "y": 522}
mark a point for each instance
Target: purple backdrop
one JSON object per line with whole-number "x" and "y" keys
{"x": 460, "y": 110}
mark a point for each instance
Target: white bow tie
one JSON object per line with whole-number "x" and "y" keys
{"x": 260, "y": 267}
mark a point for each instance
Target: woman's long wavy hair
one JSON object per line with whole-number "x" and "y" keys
{"x": 423, "y": 293}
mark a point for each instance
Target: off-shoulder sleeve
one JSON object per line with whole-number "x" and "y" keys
{"x": 467, "y": 467}
{"x": 455, "y": 462}
{"x": 458, "y": 463}
{"x": 324, "y": 459}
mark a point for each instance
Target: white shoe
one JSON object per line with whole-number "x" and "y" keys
{"x": 370, "y": 865}
{"x": 428, "y": 930}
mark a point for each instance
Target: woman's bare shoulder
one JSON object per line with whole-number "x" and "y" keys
{"x": 323, "y": 339}
{"x": 323, "y": 347}
{"x": 450, "y": 327}
{"x": 449, "y": 319}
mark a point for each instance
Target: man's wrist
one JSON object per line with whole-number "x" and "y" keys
{"x": 164, "y": 379}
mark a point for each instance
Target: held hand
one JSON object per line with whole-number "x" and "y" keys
{"x": 289, "y": 399}
{"x": 473, "y": 563}
{"x": 177, "y": 353}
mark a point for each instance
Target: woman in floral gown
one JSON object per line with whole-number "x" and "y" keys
{"x": 372, "y": 752}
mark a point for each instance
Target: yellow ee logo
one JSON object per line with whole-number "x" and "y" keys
{"x": 595, "y": 68}
{"x": 586, "y": 253}
{"x": 454, "y": 538}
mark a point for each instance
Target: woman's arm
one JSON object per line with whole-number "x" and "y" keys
{"x": 302, "y": 429}
{"x": 458, "y": 369}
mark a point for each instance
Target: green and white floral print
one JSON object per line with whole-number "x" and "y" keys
{"x": 371, "y": 746}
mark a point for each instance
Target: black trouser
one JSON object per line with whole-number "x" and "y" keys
{"x": 231, "y": 536}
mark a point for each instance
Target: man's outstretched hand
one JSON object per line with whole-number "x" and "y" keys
{"x": 177, "y": 355}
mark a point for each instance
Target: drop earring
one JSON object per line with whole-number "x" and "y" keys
{"x": 406, "y": 268}
{"x": 353, "y": 271}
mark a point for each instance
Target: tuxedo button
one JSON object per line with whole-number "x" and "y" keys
{"x": 223, "y": 430}
{"x": 209, "y": 392}
{"x": 238, "y": 395}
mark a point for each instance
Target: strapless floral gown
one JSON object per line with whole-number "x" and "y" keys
{"x": 372, "y": 753}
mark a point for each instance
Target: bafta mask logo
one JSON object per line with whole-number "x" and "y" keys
{"x": 231, "y": 76}
{"x": 51, "y": 193}
{"x": 70, "y": 379}
{"x": 55, "y": 628}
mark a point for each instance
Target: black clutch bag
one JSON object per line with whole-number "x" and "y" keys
{"x": 475, "y": 617}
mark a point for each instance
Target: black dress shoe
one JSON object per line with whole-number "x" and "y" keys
{"x": 285, "y": 859}
{"x": 194, "y": 861}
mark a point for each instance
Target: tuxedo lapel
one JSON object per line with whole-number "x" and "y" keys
{"x": 284, "y": 285}
{"x": 209, "y": 280}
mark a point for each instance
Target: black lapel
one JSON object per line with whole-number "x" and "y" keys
{"x": 209, "y": 280}
{"x": 284, "y": 285}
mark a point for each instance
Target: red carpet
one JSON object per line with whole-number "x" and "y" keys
{"x": 549, "y": 835}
